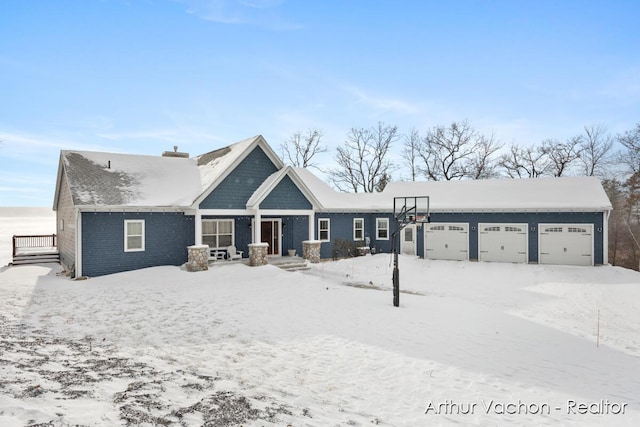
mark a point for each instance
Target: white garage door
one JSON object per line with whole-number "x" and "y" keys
{"x": 502, "y": 242}
{"x": 447, "y": 241}
{"x": 568, "y": 244}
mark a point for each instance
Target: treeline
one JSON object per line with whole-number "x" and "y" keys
{"x": 458, "y": 151}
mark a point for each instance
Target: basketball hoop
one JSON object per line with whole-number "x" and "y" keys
{"x": 406, "y": 210}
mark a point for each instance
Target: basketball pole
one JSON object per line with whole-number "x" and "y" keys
{"x": 396, "y": 270}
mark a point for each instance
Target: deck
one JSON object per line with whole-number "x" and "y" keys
{"x": 35, "y": 249}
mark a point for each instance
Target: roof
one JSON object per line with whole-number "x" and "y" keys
{"x": 113, "y": 180}
{"x": 578, "y": 193}
{"x": 527, "y": 194}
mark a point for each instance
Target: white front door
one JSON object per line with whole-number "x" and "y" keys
{"x": 502, "y": 242}
{"x": 448, "y": 241}
{"x": 568, "y": 244}
{"x": 408, "y": 240}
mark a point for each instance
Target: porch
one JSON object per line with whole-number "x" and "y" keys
{"x": 35, "y": 249}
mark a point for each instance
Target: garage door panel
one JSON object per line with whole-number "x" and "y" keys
{"x": 503, "y": 242}
{"x": 566, "y": 244}
{"x": 447, "y": 241}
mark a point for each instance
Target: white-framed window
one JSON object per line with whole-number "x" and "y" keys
{"x": 134, "y": 235}
{"x": 324, "y": 229}
{"x": 217, "y": 233}
{"x": 382, "y": 228}
{"x": 358, "y": 229}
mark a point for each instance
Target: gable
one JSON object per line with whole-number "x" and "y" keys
{"x": 236, "y": 189}
{"x": 286, "y": 195}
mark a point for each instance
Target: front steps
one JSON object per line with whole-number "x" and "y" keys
{"x": 288, "y": 263}
{"x": 36, "y": 258}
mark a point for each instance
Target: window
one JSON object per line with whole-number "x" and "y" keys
{"x": 358, "y": 229}
{"x": 514, "y": 229}
{"x": 382, "y": 228}
{"x": 324, "y": 230}
{"x": 553, "y": 230}
{"x": 577, "y": 230}
{"x": 437, "y": 228}
{"x": 133, "y": 235}
{"x": 492, "y": 228}
{"x": 217, "y": 233}
{"x": 455, "y": 228}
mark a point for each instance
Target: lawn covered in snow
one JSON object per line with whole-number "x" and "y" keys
{"x": 469, "y": 344}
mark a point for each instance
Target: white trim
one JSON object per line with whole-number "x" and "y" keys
{"x": 381, "y": 228}
{"x": 523, "y": 225}
{"x": 222, "y": 212}
{"x": 126, "y": 235}
{"x": 78, "y": 235}
{"x": 605, "y": 237}
{"x": 286, "y": 212}
{"x": 280, "y": 234}
{"x": 563, "y": 226}
{"x": 355, "y": 238}
{"x": 198, "y": 227}
{"x": 427, "y": 227}
{"x": 312, "y": 226}
{"x": 265, "y": 189}
{"x": 328, "y": 229}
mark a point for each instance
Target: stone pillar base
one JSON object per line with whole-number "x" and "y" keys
{"x": 258, "y": 254}
{"x": 311, "y": 250}
{"x": 198, "y": 258}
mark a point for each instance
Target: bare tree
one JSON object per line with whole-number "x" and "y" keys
{"x": 362, "y": 161}
{"x": 595, "y": 149}
{"x": 456, "y": 152}
{"x": 525, "y": 162}
{"x": 561, "y": 154}
{"x": 630, "y": 156}
{"x": 300, "y": 148}
{"x": 410, "y": 149}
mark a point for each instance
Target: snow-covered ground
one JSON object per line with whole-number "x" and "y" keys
{"x": 471, "y": 344}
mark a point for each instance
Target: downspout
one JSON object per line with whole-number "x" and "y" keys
{"x": 605, "y": 237}
{"x": 78, "y": 269}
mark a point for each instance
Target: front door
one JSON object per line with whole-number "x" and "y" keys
{"x": 270, "y": 233}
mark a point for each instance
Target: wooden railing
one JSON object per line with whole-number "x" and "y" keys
{"x": 32, "y": 243}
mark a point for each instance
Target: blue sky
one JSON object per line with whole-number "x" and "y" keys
{"x": 140, "y": 76}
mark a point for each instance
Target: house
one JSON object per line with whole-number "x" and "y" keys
{"x": 119, "y": 212}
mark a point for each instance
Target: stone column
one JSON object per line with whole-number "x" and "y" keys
{"x": 311, "y": 250}
{"x": 258, "y": 254}
{"x": 198, "y": 258}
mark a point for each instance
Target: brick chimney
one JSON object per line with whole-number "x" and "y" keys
{"x": 175, "y": 153}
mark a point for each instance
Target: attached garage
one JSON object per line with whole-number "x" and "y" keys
{"x": 447, "y": 241}
{"x": 568, "y": 244}
{"x": 503, "y": 242}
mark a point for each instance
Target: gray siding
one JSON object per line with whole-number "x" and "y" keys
{"x": 66, "y": 226}
{"x": 167, "y": 236}
{"x": 236, "y": 189}
{"x": 285, "y": 195}
{"x": 532, "y": 219}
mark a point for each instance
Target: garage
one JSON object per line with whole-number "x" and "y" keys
{"x": 568, "y": 244}
{"x": 447, "y": 241}
{"x": 503, "y": 242}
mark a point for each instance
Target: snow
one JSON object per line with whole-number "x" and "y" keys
{"x": 131, "y": 180}
{"x": 540, "y": 194}
{"x": 321, "y": 347}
